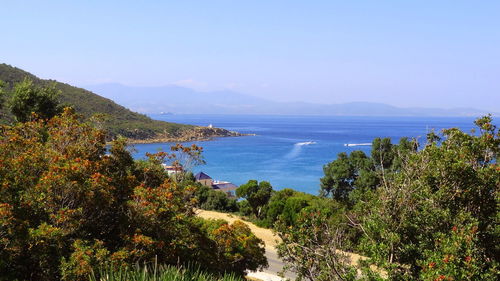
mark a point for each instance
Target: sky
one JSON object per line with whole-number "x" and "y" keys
{"x": 434, "y": 53}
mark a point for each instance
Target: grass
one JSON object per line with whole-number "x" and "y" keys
{"x": 160, "y": 273}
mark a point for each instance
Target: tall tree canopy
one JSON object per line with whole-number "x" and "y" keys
{"x": 357, "y": 171}
{"x": 257, "y": 194}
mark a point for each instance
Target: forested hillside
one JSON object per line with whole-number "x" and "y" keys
{"x": 118, "y": 120}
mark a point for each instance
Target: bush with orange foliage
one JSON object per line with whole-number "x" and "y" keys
{"x": 68, "y": 205}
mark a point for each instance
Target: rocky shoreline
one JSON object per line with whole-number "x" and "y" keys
{"x": 195, "y": 134}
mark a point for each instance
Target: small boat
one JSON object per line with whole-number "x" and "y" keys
{"x": 357, "y": 144}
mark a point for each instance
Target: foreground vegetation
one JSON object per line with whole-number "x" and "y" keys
{"x": 70, "y": 205}
{"x": 161, "y": 273}
{"x": 415, "y": 211}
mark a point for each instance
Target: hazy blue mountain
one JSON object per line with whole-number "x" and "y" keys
{"x": 177, "y": 99}
{"x": 183, "y": 100}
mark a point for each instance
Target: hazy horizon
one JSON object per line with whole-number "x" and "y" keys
{"x": 425, "y": 54}
{"x": 178, "y": 99}
{"x": 92, "y": 87}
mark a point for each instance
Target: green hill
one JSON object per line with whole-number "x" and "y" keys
{"x": 118, "y": 119}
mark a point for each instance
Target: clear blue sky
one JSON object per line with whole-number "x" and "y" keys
{"x": 432, "y": 53}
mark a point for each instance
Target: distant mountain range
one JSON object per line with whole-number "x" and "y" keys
{"x": 183, "y": 100}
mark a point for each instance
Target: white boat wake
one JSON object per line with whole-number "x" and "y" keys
{"x": 297, "y": 148}
{"x": 305, "y": 143}
{"x": 358, "y": 144}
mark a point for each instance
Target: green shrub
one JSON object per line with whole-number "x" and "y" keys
{"x": 244, "y": 208}
{"x": 209, "y": 199}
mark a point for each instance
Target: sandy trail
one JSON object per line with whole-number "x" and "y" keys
{"x": 270, "y": 241}
{"x": 267, "y": 235}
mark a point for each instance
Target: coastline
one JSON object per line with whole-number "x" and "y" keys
{"x": 195, "y": 134}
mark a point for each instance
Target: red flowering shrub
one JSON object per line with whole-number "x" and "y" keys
{"x": 456, "y": 257}
{"x": 67, "y": 206}
{"x": 237, "y": 248}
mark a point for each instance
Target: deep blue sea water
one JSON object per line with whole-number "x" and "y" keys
{"x": 279, "y": 152}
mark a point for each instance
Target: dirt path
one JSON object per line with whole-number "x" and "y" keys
{"x": 266, "y": 235}
{"x": 270, "y": 240}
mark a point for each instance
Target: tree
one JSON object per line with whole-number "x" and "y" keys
{"x": 345, "y": 173}
{"x": 209, "y": 199}
{"x": 286, "y": 205}
{"x": 357, "y": 172}
{"x": 438, "y": 215}
{"x": 382, "y": 153}
{"x": 432, "y": 216}
{"x": 68, "y": 205}
{"x": 257, "y": 194}
{"x": 276, "y": 205}
{"x": 28, "y": 99}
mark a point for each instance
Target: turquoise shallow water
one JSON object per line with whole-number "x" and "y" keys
{"x": 290, "y": 151}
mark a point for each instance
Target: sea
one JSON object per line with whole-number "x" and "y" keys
{"x": 290, "y": 151}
